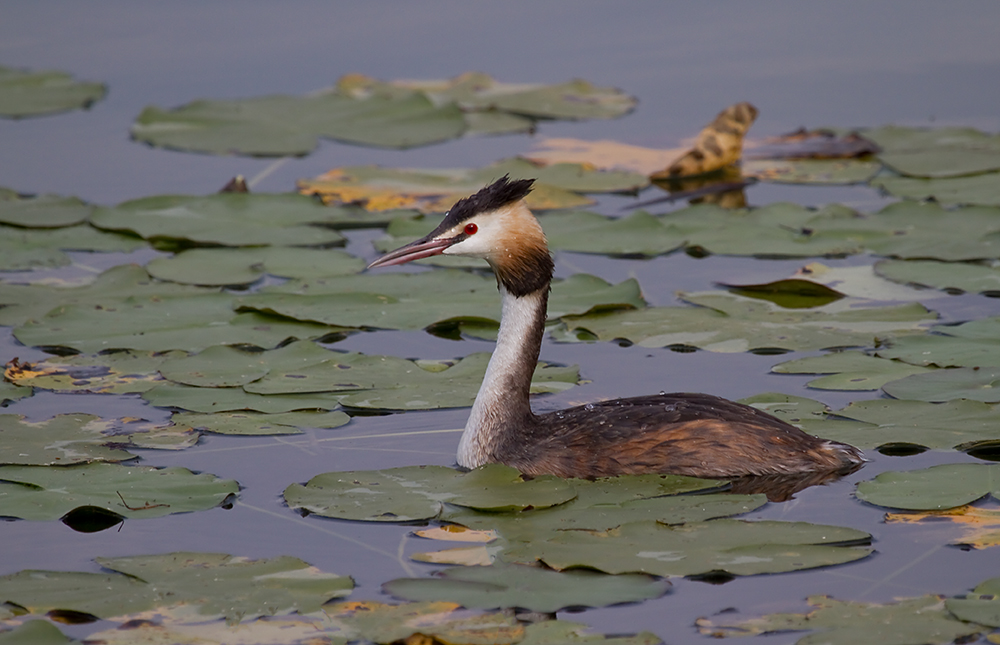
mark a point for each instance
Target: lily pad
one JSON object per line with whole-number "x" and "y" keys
{"x": 418, "y": 492}
{"x": 973, "y": 383}
{"x": 224, "y": 219}
{"x": 938, "y": 152}
{"x": 34, "y": 632}
{"x": 961, "y": 347}
{"x": 982, "y": 190}
{"x": 733, "y": 546}
{"x": 112, "y": 373}
{"x": 42, "y": 211}
{"x": 950, "y": 276}
{"x": 531, "y": 588}
{"x": 811, "y": 171}
{"x": 981, "y": 606}
{"x": 937, "y": 487}
{"x": 234, "y": 399}
{"x": 729, "y": 323}
{"x": 25, "y": 93}
{"x": 905, "y": 622}
{"x": 440, "y": 621}
{"x": 211, "y": 584}
{"x": 249, "y": 423}
{"x": 48, "y": 493}
{"x": 288, "y": 125}
{"x": 11, "y": 392}
{"x": 24, "y": 249}
{"x": 982, "y": 525}
{"x": 850, "y": 370}
{"x": 231, "y": 267}
{"x": 637, "y": 234}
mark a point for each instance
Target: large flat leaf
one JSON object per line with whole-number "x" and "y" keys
{"x": 256, "y": 424}
{"x": 23, "y": 249}
{"x": 531, "y": 588}
{"x": 950, "y": 276}
{"x": 224, "y": 219}
{"x": 112, "y": 373}
{"x": 981, "y": 606}
{"x": 25, "y": 93}
{"x": 937, "y": 487}
{"x": 811, "y": 171}
{"x": 42, "y": 211}
{"x": 973, "y": 383}
{"x": 939, "y": 152}
{"x": 48, "y": 493}
{"x": 211, "y": 400}
{"x": 983, "y": 190}
{"x": 910, "y": 621}
{"x": 954, "y": 346}
{"x": 850, "y": 370}
{"x": 241, "y": 267}
{"x": 585, "y": 232}
{"x": 733, "y": 546}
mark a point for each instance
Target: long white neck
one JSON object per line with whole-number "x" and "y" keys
{"x": 502, "y": 403}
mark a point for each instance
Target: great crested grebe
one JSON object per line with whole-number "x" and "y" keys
{"x": 687, "y": 434}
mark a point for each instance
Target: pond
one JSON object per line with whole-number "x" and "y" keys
{"x": 845, "y": 65}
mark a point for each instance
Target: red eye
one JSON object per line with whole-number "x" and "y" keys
{"x": 471, "y": 228}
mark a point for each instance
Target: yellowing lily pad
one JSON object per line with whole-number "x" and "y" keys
{"x": 982, "y": 525}
{"x": 113, "y": 373}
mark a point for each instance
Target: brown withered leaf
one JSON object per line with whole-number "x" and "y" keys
{"x": 813, "y": 144}
{"x": 982, "y": 525}
{"x": 719, "y": 145}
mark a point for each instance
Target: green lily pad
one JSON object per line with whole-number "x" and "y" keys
{"x": 23, "y": 249}
{"x": 973, "y": 383}
{"x": 228, "y": 267}
{"x": 42, "y": 211}
{"x": 951, "y": 276}
{"x": 981, "y": 606}
{"x": 849, "y": 371}
{"x": 637, "y": 234}
{"x": 234, "y": 399}
{"x": 556, "y": 632}
{"x": 982, "y": 190}
{"x": 212, "y": 584}
{"x": 939, "y": 152}
{"x": 375, "y": 622}
{"x": 112, "y": 373}
{"x": 48, "y": 493}
{"x": 733, "y": 546}
{"x": 10, "y": 392}
{"x": 728, "y": 323}
{"x": 531, "y": 588}
{"x": 939, "y": 350}
{"x": 289, "y": 125}
{"x": 24, "y": 93}
{"x": 811, "y": 171}
{"x": 250, "y": 423}
{"x": 937, "y": 487}
{"x": 34, "y": 632}
{"x": 225, "y": 219}
{"x": 418, "y": 492}
{"x": 67, "y": 439}
{"x": 905, "y": 622}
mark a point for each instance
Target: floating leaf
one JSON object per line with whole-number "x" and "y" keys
{"x": 112, "y": 373}
{"x": 440, "y": 621}
{"x": 729, "y": 323}
{"x": 983, "y": 190}
{"x": 963, "y": 346}
{"x": 733, "y": 546}
{"x": 64, "y": 439}
{"x": 851, "y": 370}
{"x": 605, "y": 154}
{"x": 973, "y": 383}
{"x": 23, "y": 249}
{"x": 981, "y": 606}
{"x": 938, "y": 152}
{"x": 24, "y": 93}
{"x": 906, "y": 622}
{"x": 937, "y": 487}
{"x": 531, "y": 588}
{"x": 227, "y": 267}
{"x": 42, "y": 211}
{"x": 950, "y": 276}
{"x": 34, "y": 632}
{"x": 637, "y": 234}
{"x": 48, "y": 493}
{"x": 982, "y": 525}
{"x": 226, "y": 219}
{"x": 793, "y": 293}
{"x": 417, "y": 492}
{"x": 235, "y": 399}
{"x": 811, "y": 171}
{"x": 10, "y": 392}
{"x": 249, "y": 423}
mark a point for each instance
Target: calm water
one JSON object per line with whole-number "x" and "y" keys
{"x": 844, "y": 64}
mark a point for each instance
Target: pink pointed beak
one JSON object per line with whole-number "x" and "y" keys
{"x": 422, "y": 248}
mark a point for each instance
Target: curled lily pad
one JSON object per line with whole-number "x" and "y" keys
{"x": 531, "y": 588}
{"x": 48, "y": 493}
{"x": 418, "y": 492}
{"x": 224, "y": 219}
{"x": 937, "y": 487}
{"x": 907, "y": 621}
{"x": 25, "y": 93}
{"x": 737, "y": 547}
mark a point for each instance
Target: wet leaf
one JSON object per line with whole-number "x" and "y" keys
{"x": 418, "y": 492}
{"x": 733, "y": 546}
{"x": 982, "y": 525}
{"x": 793, "y": 293}
{"x": 981, "y": 606}
{"x": 938, "y": 152}
{"x": 229, "y": 267}
{"x": 937, "y": 487}
{"x": 729, "y": 323}
{"x": 983, "y": 190}
{"x": 850, "y": 370}
{"x": 910, "y": 621}
{"x": 224, "y": 219}
{"x": 951, "y": 276}
{"x": 973, "y": 383}
{"x": 249, "y": 423}
{"x": 24, "y": 93}
{"x": 124, "y": 372}
{"x": 82, "y": 438}
{"x": 48, "y": 493}
{"x": 531, "y": 588}
{"x": 42, "y": 211}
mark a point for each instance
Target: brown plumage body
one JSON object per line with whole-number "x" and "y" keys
{"x": 688, "y": 434}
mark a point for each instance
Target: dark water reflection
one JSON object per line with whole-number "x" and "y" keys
{"x": 842, "y": 64}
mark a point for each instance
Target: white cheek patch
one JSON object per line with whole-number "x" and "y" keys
{"x": 482, "y": 243}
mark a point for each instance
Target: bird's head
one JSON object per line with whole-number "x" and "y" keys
{"x": 496, "y": 225}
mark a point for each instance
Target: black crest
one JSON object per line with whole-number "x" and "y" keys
{"x": 500, "y": 193}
